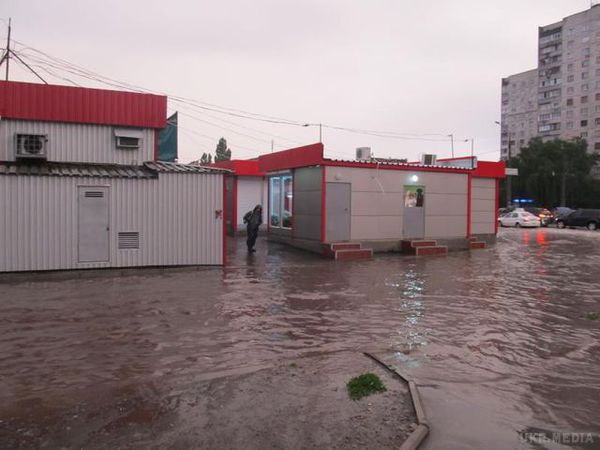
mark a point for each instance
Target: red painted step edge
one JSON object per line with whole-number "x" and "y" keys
{"x": 353, "y": 254}
{"x": 345, "y": 246}
{"x": 423, "y": 243}
{"x": 478, "y": 244}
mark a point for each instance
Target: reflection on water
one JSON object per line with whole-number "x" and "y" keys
{"x": 496, "y": 337}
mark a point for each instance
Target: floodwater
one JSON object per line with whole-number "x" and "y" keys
{"x": 496, "y": 338}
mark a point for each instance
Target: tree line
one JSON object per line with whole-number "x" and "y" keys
{"x": 222, "y": 153}
{"x": 555, "y": 173}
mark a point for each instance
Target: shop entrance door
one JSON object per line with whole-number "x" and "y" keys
{"x": 338, "y": 212}
{"x": 414, "y": 212}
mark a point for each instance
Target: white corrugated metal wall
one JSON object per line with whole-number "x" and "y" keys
{"x": 175, "y": 216}
{"x": 70, "y": 142}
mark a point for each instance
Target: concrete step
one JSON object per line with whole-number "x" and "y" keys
{"x": 476, "y": 244}
{"x": 423, "y": 243}
{"x": 426, "y": 250}
{"x": 329, "y": 248}
{"x": 345, "y": 246}
{"x": 352, "y": 254}
{"x": 409, "y": 245}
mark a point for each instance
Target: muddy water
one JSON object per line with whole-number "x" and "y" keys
{"x": 495, "y": 338}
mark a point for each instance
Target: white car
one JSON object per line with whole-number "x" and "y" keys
{"x": 519, "y": 219}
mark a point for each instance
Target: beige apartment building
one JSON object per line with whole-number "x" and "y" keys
{"x": 561, "y": 98}
{"x": 519, "y": 111}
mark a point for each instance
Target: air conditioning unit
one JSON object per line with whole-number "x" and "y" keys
{"x": 364, "y": 154}
{"x": 128, "y": 142}
{"x": 128, "y": 138}
{"x": 428, "y": 160}
{"x": 31, "y": 146}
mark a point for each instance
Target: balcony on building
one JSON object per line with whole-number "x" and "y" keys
{"x": 550, "y": 61}
{"x": 550, "y": 36}
{"x": 550, "y": 51}
{"x": 549, "y": 128}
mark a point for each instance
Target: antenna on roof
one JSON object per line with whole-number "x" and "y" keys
{"x": 10, "y": 52}
{"x": 6, "y": 56}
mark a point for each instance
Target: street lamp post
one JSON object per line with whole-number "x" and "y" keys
{"x": 472, "y": 152}
{"x": 504, "y": 127}
{"x": 320, "y": 129}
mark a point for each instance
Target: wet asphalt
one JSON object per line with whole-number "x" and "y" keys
{"x": 496, "y": 338}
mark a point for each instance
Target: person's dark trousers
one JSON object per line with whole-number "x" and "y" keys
{"x": 252, "y": 235}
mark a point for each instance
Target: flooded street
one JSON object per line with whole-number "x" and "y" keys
{"x": 496, "y": 338}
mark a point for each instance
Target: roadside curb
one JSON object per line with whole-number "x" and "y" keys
{"x": 415, "y": 439}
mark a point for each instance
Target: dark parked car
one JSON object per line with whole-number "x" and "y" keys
{"x": 545, "y": 216}
{"x": 562, "y": 211}
{"x": 589, "y": 218}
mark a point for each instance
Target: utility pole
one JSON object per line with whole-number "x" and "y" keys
{"x": 563, "y": 183}
{"x": 451, "y": 136}
{"x": 10, "y": 52}
{"x": 272, "y": 145}
{"x": 8, "y": 48}
{"x": 508, "y": 186}
{"x": 472, "y": 153}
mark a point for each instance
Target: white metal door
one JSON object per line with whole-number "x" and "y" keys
{"x": 338, "y": 211}
{"x": 414, "y": 212}
{"x": 93, "y": 228}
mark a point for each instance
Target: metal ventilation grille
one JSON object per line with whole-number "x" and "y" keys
{"x": 129, "y": 240}
{"x": 94, "y": 194}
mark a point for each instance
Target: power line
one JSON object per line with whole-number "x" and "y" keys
{"x": 224, "y": 128}
{"x": 74, "y": 69}
{"x": 216, "y": 139}
{"x": 191, "y": 106}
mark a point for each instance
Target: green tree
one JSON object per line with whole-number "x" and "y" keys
{"x": 222, "y": 153}
{"x": 556, "y": 173}
{"x": 206, "y": 158}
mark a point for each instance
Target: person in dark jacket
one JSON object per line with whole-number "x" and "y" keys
{"x": 253, "y": 220}
{"x": 420, "y": 198}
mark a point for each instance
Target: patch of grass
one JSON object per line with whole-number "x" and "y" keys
{"x": 592, "y": 316}
{"x": 363, "y": 385}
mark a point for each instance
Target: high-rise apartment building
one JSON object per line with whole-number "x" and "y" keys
{"x": 561, "y": 98}
{"x": 519, "y": 111}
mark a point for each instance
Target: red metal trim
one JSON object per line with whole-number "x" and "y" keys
{"x": 241, "y": 167}
{"x": 469, "y": 179}
{"x": 293, "y": 230}
{"x": 383, "y": 166}
{"x": 234, "y": 206}
{"x": 323, "y": 205}
{"x": 224, "y": 220}
{"x": 309, "y": 155}
{"x": 312, "y": 155}
{"x": 53, "y": 103}
{"x": 497, "y": 205}
{"x": 490, "y": 169}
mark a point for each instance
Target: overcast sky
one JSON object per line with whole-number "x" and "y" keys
{"x": 397, "y": 65}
